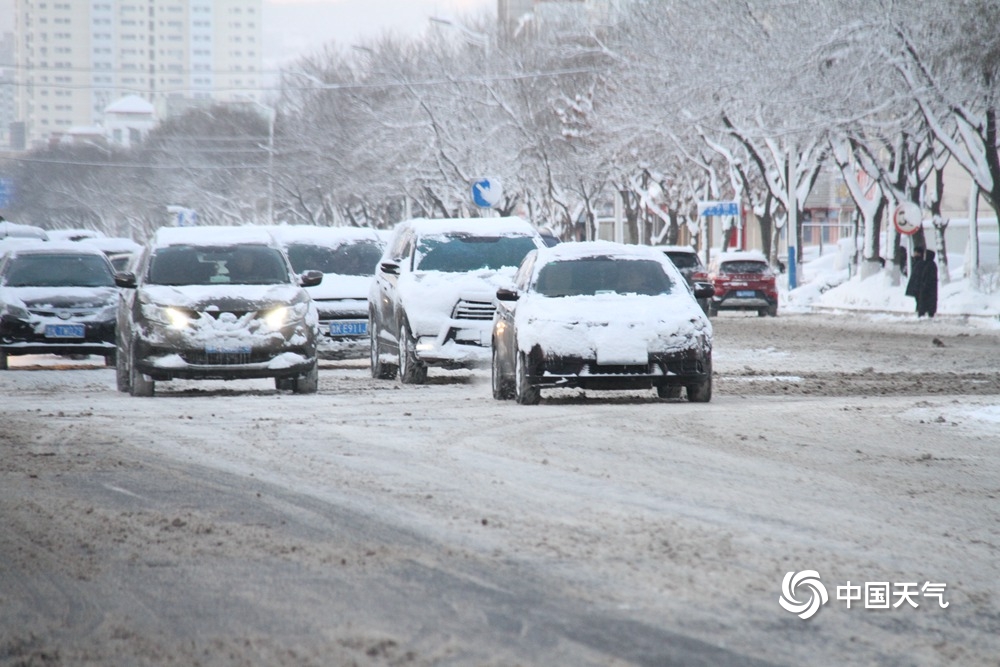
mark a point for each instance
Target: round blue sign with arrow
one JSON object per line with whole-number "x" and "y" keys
{"x": 486, "y": 192}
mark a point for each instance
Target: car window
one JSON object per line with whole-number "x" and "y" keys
{"x": 59, "y": 270}
{"x": 587, "y": 277}
{"x": 744, "y": 266}
{"x": 523, "y": 275}
{"x": 684, "y": 260}
{"x": 238, "y": 265}
{"x": 356, "y": 258}
{"x": 459, "y": 253}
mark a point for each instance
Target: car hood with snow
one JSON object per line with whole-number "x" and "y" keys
{"x": 612, "y": 328}
{"x": 432, "y": 297}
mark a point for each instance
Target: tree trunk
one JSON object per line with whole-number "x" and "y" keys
{"x": 972, "y": 254}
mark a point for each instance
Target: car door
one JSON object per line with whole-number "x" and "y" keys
{"x": 504, "y": 327}
{"x": 386, "y": 283}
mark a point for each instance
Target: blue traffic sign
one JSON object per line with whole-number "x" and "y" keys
{"x": 714, "y": 208}
{"x": 486, "y": 193}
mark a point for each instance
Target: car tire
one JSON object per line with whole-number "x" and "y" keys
{"x": 701, "y": 392}
{"x": 761, "y": 312}
{"x": 380, "y": 369}
{"x": 668, "y": 391}
{"x": 411, "y": 369}
{"x": 772, "y": 311}
{"x": 3, "y": 361}
{"x": 713, "y": 309}
{"x": 308, "y": 383}
{"x": 524, "y": 392}
{"x": 503, "y": 388}
{"x": 122, "y": 374}
{"x": 138, "y": 384}
{"x": 111, "y": 359}
{"x": 284, "y": 383}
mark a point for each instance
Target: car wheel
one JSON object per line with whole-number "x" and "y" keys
{"x": 111, "y": 359}
{"x": 411, "y": 369}
{"x": 701, "y": 392}
{"x": 524, "y": 392}
{"x": 772, "y": 311}
{"x": 380, "y": 369}
{"x": 503, "y": 388}
{"x": 284, "y": 383}
{"x": 138, "y": 384}
{"x": 667, "y": 391}
{"x": 713, "y": 309}
{"x": 121, "y": 374}
{"x": 3, "y": 361}
{"x": 308, "y": 383}
{"x": 761, "y": 312}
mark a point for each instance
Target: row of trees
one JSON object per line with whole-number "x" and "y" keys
{"x": 667, "y": 103}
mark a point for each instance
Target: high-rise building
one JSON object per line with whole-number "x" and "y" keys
{"x": 76, "y": 57}
{"x": 7, "y": 87}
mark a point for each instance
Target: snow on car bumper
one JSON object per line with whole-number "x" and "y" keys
{"x": 661, "y": 369}
{"x": 460, "y": 344}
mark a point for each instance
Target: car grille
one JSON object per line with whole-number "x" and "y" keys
{"x": 473, "y": 310}
{"x": 227, "y": 358}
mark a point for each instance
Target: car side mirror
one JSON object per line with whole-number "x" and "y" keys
{"x": 505, "y": 294}
{"x": 125, "y": 279}
{"x": 703, "y": 290}
{"x": 389, "y": 268}
{"x": 311, "y": 278}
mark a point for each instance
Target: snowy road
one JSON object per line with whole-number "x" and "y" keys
{"x": 381, "y": 524}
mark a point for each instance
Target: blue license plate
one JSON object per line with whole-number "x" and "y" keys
{"x": 64, "y": 331}
{"x": 748, "y": 293}
{"x": 349, "y": 328}
{"x": 218, "y": 349}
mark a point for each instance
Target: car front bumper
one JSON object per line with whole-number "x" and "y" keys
{"x": 459, "y": 344}
{"x": 662, "y": 370}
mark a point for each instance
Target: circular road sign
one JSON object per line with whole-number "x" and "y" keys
{"x": 487, "y": 192}
{"x": 907, "y": 218}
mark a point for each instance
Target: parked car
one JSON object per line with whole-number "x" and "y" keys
{"x": 347, "y": 257}
{"x": 119, "y": 250}
{"x": 600, "y": 315}
{"x": 74, "y": 234}
{"x": 15, "y": 230}
{"x": 687, "y": 261}
{"x": 432, "y": 300}
{"x": 743, "y": 280}
{"x": 215, "y": 303}
{"x": 56, "y": 298}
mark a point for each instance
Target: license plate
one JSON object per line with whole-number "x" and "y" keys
{"x": 64, "y": 330}
{"x": 217, "y": 349}
{"x": 749, "y": 293}
{"x": 349, "y": 328}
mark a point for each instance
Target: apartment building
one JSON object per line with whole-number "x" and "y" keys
{"x": 74, "y": 58}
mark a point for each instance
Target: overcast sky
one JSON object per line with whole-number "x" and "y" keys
{"x": 294, "y": 26}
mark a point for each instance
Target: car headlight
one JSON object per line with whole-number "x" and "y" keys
{"x": 282, "y": 316}
{"x": 9, "y": 310}
{"x": 175, "y": 318}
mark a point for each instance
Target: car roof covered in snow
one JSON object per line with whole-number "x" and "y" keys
{"x": 53, "y": 248}
{"x": 508, "y": 226}
{"x": 323, "y": 235}
{"x": 675, "y": 248}
{"x": 588, "y": 249}
{"x": 739, "y": 256}
{"x": 212, "y": 236}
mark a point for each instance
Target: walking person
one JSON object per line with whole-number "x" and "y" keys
{"x": 923, "y": 282}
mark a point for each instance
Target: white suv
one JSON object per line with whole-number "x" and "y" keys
{"x": 433, "y": 297}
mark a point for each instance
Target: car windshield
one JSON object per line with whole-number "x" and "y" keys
{"x": 355, "y": 258}
{"x": 236, "y": 265}
{"x": 744, "y": 266}
{"x": 601, "y": 275}
{"x": 59, "y": 270}
{"x": 467, "y": 252}
{"x": 684, "y": 260}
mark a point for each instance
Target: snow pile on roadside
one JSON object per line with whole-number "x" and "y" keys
{"x": 826, "y": 284}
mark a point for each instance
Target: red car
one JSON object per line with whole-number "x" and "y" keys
{"x": 743, "y": 280}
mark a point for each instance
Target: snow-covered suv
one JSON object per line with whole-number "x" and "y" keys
{"x": 433, "y": 297}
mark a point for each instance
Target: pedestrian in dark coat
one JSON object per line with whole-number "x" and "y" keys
{"x": 923, "y": 282}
